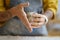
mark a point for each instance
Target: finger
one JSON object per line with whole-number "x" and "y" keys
{"x": 38, "y": 20}
{"x": 42, "y": 19}
{"x": 24, "y": 4}
{"x": 37, "y": 24}
{"x": 36, "y": 15}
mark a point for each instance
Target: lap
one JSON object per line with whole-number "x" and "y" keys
{"x": 16, "y": 27}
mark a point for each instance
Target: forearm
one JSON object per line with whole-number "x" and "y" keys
{"x": 5, "y": 16}
{"x": 49, "y": 14}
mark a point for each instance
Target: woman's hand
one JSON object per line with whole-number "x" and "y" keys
{"x": 37, "y": 20}
{"x": 20, "y": 13}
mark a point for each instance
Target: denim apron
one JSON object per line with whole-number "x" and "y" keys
{"x": 16, "y": 27}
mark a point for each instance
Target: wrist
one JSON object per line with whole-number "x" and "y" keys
{"x": 48, "y": 14}
{"x": 46, "y": 19}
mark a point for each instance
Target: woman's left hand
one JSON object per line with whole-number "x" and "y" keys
{"x": 37, "y": 21}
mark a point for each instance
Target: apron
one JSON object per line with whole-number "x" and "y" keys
{"x": 16, "y": 27}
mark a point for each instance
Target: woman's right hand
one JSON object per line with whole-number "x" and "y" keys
{"x": 20, "y": 13}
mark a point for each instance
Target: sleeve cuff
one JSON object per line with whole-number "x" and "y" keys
{"x": 54, "y": 12}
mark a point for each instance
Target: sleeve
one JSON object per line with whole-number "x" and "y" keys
{"x": 2, "y": 8}
{"x": 51, "y": 5}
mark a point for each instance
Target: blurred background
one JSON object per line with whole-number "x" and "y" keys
{"x": 54, "y": 26}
